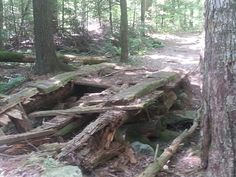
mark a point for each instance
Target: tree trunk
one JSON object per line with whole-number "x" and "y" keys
{"x": 219, "y": 93}
{"x": 124, "y": 31}
{"x": 1, "y": 24}
{"x": 110, "y": 16}
{"x": 63, "y": 15}
{"x": 143, "y": 4}
{"x": 46, "y": 59}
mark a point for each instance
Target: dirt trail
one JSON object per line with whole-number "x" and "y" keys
{"x": 180, "y": 52}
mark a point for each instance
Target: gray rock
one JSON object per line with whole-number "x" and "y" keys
{"x": 64, "y": 171}
{"x": 141, "y": 148}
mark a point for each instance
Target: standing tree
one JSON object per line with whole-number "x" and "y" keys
{"x": 1, "y": 24}
{"x": 219, "y": 89}
{"x": 46, "y": 59}
{"x": 124, "y": 31}
{"x": 143, "y": 10}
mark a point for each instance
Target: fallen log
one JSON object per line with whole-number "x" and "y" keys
{"x": 14, "y": 99}
{"x": 157, "y": 165}
{"x": 96, "y": 137}
{"x": 7, "y": 56}
{"x": 11, "y": 139}
{"x": 143, "y": 88}
{"x": 85, "y": 110}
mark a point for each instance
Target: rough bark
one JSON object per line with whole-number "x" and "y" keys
{"x": 46, "y": 59}
{"x": 219, "y": 93}
{"x": 1, "y": 24}
{"x": 143, "y": 4}
{"x": 89, "y": 150}
{"x": 124, "y": 31}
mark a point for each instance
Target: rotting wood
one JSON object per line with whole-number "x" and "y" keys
{"x": 23, "y": 124}
{"x": 96, "y": 136}
{"x": 156, "y": 166}
{"x": 6, "y": 56}
{"x": 143, "y": 88}
{"x": 14, "y": 99}
{"x": 87, "y": 110}
{"x": 43, "y": 101}
{"x": 4, "y": 119}
{"x": 11, "y": 139}
{"x": 52, "y": 84}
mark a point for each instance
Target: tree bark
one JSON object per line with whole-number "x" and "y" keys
{"x": 143, "y": 4}
{"x": 46, "y": 59}
{"x": 1, "y": 24}
{"x": 124, "y": 31}
{"x": 219, "y": 93}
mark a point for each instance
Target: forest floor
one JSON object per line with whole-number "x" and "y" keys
{"x": 181, "y": 52}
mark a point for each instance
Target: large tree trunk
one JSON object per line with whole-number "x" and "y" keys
{"x": 219, "y": 93}
{"x": 124, "y": 31}
{"x": 46, "y": 59}
{"x": 1, "y": 24}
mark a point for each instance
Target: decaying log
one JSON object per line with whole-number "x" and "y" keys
{"x": 144, "y": 88}
{"x": 44, "y": 101}
{"x": 52, "y": 84}
{"x": 10, "y": 139}
{"x": 86, "y": 110}
{"x": 157, "y": 165}
{"x": 21, "y": 121}
{"x": 14, "y": 99}
{"x": 98, "y": 135}
{"x": 6, "y": 56}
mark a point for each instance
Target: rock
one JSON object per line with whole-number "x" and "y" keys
{"x": 141, "y": 148}
{"x": 64, "y": 171}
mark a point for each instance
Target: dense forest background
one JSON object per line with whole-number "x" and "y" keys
{"x": 81, "y": 25}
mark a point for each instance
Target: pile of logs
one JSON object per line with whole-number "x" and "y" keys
{"x": 124, "y": 98}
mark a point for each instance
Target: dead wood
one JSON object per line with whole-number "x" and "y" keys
{"x": 157, "y": 165}
{"x": 143, "y": 88}
{"x": 43, "y": 101}
{"x": 14, "y": 99}
{"x": 96, "y": 137}
{"x": 11, "y": 139}
{"x": 86, "y": 110}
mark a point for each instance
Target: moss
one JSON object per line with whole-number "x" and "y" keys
{"x": 14, "y": 56}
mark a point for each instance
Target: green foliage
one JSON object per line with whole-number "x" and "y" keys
{"x": 140, "y": 45}
{"x": 5, "y": 86}
{"x": 5, "y": 55}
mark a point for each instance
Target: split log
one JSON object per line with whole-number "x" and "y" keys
{"x": 144, "y": 88}
{"x": 96, "y": 137}
{"x": 14, "y": 99}
{"x": 45, "y": 101}
{"x": 11, "y": 139}
{"x": 157, "y": 165}
{"x": 21, "y": 120}
{"x": 54, "y": 83}
{"x": 89, "y": 110}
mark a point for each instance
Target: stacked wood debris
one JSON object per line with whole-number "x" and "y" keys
{"x": 93, "y": 106}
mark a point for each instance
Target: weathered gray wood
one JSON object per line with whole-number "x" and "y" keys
{"x": 103, "y": 129}
{"x": 145, "y": 87}
{"x": 14, "y": 99}
{"x": 54, "y": 83}
{"x": 11, "y": 139}
{"x": 86, "y": 110}
{"x": 157, "y": 165}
